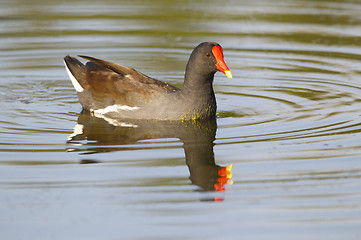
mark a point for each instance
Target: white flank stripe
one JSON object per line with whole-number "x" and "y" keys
{"x": 99, "y": 113}
{"x": 115, "y": 108}
{"x": 75, "y": 83}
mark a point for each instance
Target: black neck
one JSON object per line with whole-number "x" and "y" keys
{"x": 198, "y": 83}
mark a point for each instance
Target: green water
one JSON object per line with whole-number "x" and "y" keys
{"x": 289, "y": 122}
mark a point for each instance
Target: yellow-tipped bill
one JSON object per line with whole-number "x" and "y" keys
{"x": 221, "y": 65}
{"x": 228, "y": 74}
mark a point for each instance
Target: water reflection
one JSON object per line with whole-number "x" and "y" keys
{"x": 98, "y": 135}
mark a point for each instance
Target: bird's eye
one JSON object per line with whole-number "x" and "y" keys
{"x": 208, "y": 55}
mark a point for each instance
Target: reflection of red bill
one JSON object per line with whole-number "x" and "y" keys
{"x": 226, "y": 171}
{"x": 218, "y": 199}
{"x": 225, "y": 174}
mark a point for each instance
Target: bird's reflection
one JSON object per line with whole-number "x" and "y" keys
{"x": 94, "y": 135}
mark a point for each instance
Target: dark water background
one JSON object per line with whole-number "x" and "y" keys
{"x": 289, "y": 122}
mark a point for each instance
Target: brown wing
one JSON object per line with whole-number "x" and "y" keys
{"x": 112, "y": 83}
{"x": 132, "y": 74}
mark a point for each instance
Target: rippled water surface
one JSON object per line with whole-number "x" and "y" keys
{"x": 289, "y": 122}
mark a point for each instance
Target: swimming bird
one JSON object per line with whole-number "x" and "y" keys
{"x": 114, "y": 91}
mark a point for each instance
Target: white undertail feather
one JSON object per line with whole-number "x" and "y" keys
{"x": 75, "y": 83}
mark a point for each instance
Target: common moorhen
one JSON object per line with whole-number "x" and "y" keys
{"x": 110, "y": 90}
